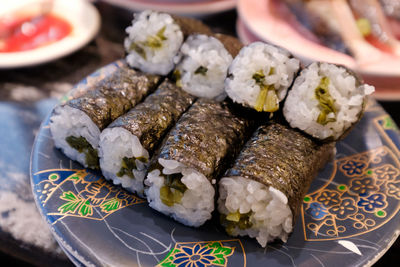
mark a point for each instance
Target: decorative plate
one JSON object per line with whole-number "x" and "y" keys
{"x": 349, "y": 217}
{"x": 85, "y": 21}
{"x": 181, "y": 7}
{"x": 271, "y": 21}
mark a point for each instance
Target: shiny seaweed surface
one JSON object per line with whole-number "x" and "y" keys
{"x": 283, "y": 158}
{"x": 207, "y": 137}
{"x": 115, "y": 95}
{"x": 151, "y": 119}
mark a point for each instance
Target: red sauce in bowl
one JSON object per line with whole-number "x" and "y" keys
{"x": 29, "y": 32}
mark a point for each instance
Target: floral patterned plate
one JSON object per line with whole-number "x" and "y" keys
{"x": 349, "y": 217}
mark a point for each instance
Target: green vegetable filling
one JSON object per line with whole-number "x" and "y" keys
{"x": 152, "y": 41}
{"x": 172, "y": 191}
{"x": 156, "y": 41}
{"x": 201, "y": 70}
{"x": 326, "y": 102}
{"x": 138, "y": 49}
{"x": 236, "y": 220}
{"x": 267, "y": 99}
{"x": 176, "y": 76}
{"x": 128, "y": 165}
{"x": 83, "y": 146}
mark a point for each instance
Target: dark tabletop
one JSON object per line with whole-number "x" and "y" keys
{"x": 26, "y": 96}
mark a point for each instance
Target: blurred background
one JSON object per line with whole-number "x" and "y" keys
{"x": 77, "y": 37}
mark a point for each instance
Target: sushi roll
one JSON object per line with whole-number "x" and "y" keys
{"x": 128, "y": 142}
{"x": 204, "y": 65}
{"x": 325, "y": 101}
{"x": 260, "y": 76}
{"x": 76, "y": 125}
{"x": 183, "y": 173}
{"x": 154, "y": 40}
{"x": 261, "y": 195}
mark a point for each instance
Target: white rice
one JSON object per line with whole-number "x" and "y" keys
{"x": 207, "y": 52}
{"x": 160, "y": 60}
{"x": 302, "y": 109}
{"x": 67, "y": 121}
{"x": 115, "y": 144}
{"x": 240, "y": 85}
{"x": 197, "y": 202}
{"x": 271, "y": 216}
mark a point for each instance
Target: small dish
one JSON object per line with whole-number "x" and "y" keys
{"x": 85, "y": 22}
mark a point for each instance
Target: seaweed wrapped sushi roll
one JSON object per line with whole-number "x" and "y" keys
{"x": 325, "y": 101}
{"x": 76, "y": 125}
{"x": 204, "y": 65}
{"x": 261, "y": 194}
{"x": 260, "y": 76}
{"x": 183, "y": 173}
{"x": 154, "y": 40}
{"x": 128, "y": 142}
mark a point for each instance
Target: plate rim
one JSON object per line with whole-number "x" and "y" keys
{"x": 190, "y": 9}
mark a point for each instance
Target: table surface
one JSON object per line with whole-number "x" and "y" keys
{"x": 26, "y": 96}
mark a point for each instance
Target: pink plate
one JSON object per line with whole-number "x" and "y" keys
{"x": 271, "y": 21}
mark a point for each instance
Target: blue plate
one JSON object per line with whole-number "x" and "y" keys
{"x": 349, "y": 217}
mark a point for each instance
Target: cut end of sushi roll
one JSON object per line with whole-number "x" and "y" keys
{"x": 153, "y": 42}
{"x": 260, "y": 75}
{"x": 123, "y": 159}
{"x": 204, "y": 66}
{"x": 325, "y": 101}
{"x": 180, "y": 192}
{"x": 76, "y": 135}
{"x": 249, "y": 208}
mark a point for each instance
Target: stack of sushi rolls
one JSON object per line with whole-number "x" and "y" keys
{"x": 154, "y": 40}
{"x": 173, "y": 148}
{"x": 260, "y": 195}
{"x": 260, "y": 76}
{"x": 182, "y": 175}
{"x": 128, "y": 142}
{"x": 204, "y": 64}
{"x": 325, "y": 101}
{"x": 77, "y": 124}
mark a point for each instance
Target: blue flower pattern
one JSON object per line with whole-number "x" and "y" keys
{"x": 317, "y": 210}
{"x": 353, "y": 167}
{"x": 373, "y": 202}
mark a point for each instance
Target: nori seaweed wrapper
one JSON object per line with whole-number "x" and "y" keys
{"x": 151, "y": 119}
{"x": 284, "y": 158}
{"x": 191, "y": 26}
{"x": 232, "y": 44}
{"x": 115, "y": 95}
{"x": 207, "y": 137}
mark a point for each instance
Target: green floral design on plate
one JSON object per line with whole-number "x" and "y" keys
{"x": 75, "y": 203}
{"x": 198, "y": 254}
{"x": 389, "y": 124}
